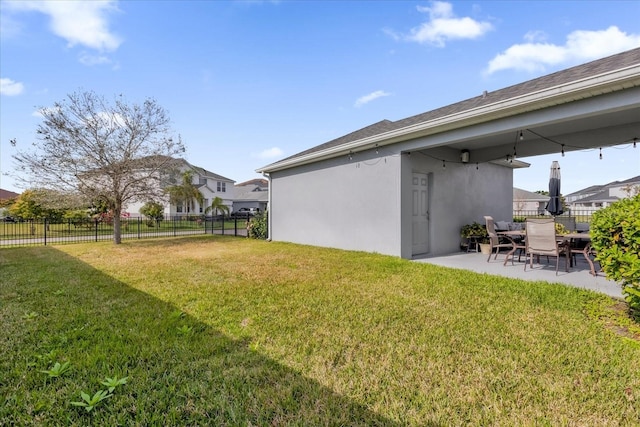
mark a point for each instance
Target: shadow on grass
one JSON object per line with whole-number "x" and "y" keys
{"x": 181, "y": 371}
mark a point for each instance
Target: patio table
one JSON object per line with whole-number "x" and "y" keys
{"x": 512, "y": 236}
{"x": 586, "y": 251}
{"x": 566, "y": 240}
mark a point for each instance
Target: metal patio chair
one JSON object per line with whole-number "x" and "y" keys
{"x": 541, "y": 240}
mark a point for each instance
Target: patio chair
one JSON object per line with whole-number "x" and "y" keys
{"x": 541, "y": 240}
{"x": 494, "y": 239}
{"x": 569, "y": 222}
{"x": 582, "y": 247}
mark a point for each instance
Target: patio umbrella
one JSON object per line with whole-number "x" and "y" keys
{"x": 554, "y": 206}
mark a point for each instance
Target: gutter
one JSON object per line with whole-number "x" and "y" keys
{"x": 586, "y": 88}
{"x": 268, "y": 176}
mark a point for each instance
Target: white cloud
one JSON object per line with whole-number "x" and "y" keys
{"x": 10, "y": 88}
{"x": 368, "y": 98}
{"x": 580, "y": 46}
{"x": 443, "y": 26}
{"x": 79, "y": 22}
{"x": 88, "y": 59}
{"x": 536, "y": 36}
{"x": 270, "y": 153}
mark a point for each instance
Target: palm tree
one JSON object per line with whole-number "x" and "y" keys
{"x": 217, "y": 205}
{"x": 185, "y": 193}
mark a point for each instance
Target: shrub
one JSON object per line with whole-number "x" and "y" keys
{"x": 258, "y": 226}
{"x": 474, "y": 229}
{"x": 615, "y": 233}
{"x": 153, "y": 211}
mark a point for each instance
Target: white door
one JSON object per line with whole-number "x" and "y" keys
{"x": 420, "y": 213}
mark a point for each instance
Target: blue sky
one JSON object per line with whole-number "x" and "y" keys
{"x": 248, "y": 83}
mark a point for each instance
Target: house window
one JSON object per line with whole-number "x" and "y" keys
{"x": 222, "y": 187}
{"x": 179, "y": 208}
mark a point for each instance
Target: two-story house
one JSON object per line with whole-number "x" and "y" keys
{"x": 597, "y": 197}
{"x": 210, "y": 185}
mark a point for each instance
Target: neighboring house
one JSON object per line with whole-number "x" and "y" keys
{"x": 525, "y": 202}
{"x": 252, "y": 194}
{"x": 406, "y": 187}
{"x": 6, "y": 195}
{"x": 600, "y": 196}
{"x": 209, "y": 184}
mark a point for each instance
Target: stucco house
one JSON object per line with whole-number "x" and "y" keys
{"x": 209, "y": 184}
{"x": 527, "y": 203}
{"x": 406, "y": 187}
{"x": 596, "y": 197}
{"x": 252, "y": 194}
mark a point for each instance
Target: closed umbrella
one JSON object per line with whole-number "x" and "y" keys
{"x": 554, "y": 206}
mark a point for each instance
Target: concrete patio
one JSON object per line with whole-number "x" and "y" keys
{"x": 578, "y": 275}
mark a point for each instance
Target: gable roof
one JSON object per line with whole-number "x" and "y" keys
{"x": 245, "y": 194}
{"x": 601, "y": 196}
{"x": 594, "y": 78}
{"x": 595, "y": 189}
{"x": 203, "y": 172}
{"x": 260, "y": 182}
{"x": 520, "y": 194}
{"x": 6, "y": 194}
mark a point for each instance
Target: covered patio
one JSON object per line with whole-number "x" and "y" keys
{"x": 578, "y": 276}
{"x": 413, "y": 183}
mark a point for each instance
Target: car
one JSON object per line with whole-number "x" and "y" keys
{"x": 244, "y": 212}
{"x": 9, "y": 219}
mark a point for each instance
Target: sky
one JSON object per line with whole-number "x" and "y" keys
{"x": 247, "y": 83}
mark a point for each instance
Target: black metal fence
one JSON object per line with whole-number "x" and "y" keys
{"x": 36, "y": 232}
{"x": 570, "y": 216}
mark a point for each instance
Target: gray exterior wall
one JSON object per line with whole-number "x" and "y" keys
{"x": 459, "y": 194}
{"x": 341, "y": 203}
{"x": 366, "y": 203}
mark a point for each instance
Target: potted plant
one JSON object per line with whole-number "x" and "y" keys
{"x": 475, "y": 234}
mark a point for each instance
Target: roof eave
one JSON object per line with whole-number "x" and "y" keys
{"x": 580, "y": 89}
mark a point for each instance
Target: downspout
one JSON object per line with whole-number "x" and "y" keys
{"x": 268, "y": 176}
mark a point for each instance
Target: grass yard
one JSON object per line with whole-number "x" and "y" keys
{"x": 214, "y": 330}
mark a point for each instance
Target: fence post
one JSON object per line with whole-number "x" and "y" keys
{"x": 45, "y": 231}
{"x": 139, "y": 218}
{"x": 174, "y": 227}
{"x": 235, "y": 226}
{"x": 96, "y": 224}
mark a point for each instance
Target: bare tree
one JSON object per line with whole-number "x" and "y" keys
{"x": 112, "y": 152}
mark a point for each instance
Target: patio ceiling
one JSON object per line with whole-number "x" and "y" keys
{"x": 607, "y": 120}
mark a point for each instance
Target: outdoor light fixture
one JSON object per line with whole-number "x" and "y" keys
{"x": 464, "y": 156}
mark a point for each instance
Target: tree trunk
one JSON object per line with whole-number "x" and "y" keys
{"x": 117, "y": 232}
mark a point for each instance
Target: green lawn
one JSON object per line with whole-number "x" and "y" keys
{"x": 214, "y": 330}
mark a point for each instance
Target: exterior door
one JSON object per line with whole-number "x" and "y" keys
{"x": 420, "y": 223}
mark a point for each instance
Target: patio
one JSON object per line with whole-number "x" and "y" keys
{"x": 578, "y": 276}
